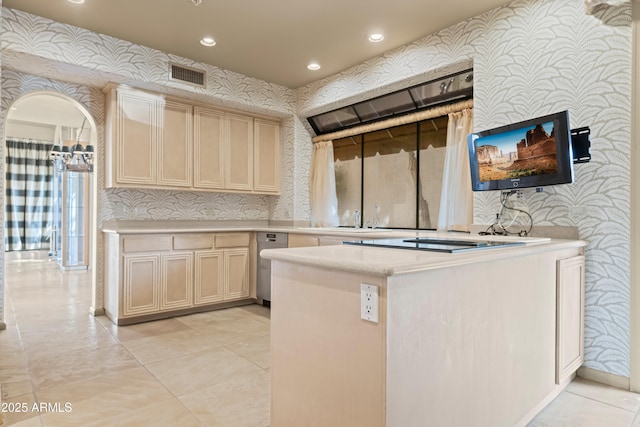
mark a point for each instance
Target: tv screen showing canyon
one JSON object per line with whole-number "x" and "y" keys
{"x": 517, "y": 153}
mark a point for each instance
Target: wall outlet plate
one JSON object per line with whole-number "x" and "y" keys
{"x": 369, "y": 305}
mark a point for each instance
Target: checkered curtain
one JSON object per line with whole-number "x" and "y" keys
{"x": 28, "y": 194}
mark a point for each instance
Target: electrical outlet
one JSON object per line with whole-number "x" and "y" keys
{"x": 369, "y": 307}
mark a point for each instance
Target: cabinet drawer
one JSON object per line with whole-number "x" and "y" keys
{"x": 232, "y": 240}
{"x": 146, "y": 243}
{"x": 202, "y": 241}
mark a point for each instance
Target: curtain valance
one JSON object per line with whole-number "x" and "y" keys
{"x": 396, "y": 121}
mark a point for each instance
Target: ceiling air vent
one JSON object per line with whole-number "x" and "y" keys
{"x": 187, "y": 75}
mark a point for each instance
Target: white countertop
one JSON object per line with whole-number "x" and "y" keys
{"x": 363, "y": 259}
{"x": 389, "y": 262}
{"x": 153, "y": 227}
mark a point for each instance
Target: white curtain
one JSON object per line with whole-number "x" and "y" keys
{"x": 593, "y": 6}
{"x": 456, "y": 201}
{"x": 324, "y": 201}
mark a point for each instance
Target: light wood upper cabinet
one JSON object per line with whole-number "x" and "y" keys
{"x": 208, "y": 138}
{"x": 135, "y": 138}
{"x": 149, "y": 142}
{"x": 266, "y": 163}
{"x": 154, "y": 141}
{"x": 174, "y": 144}
{"x": 239, "y": 149}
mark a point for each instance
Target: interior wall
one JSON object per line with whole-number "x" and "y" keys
{"x": 90, "y": 60}
{"x": 94, "y": 59}
{"x": 39, "y": 131}
{"x": 13, "y": 86}
{"x": 530, "y": 58}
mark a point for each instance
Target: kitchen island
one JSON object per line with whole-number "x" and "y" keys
{"x": 482, "y": 338}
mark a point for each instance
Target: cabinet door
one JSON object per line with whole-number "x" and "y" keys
{"x": 209, "y": 277}
{"x": 570, "y": 316}
{"x": 140, "y": 293}
{"x": 136, "y": 138}
{"x": 266, "y": 157}
{"x": 239, "y": 153}
{"x": 236, "y": 284}
{"x": 174, "y": 144}
{"x": 176, "y": 280}
{"x": 208, "y": 136}
{"x": 332, "y": 240}
{"x": 302, "y": 240}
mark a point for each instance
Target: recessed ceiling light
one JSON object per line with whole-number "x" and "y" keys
{"x": 208, "y": 41}
{"x": 375, "y": 38}
{"x": 76, "y": 1}
{"x": 314, "y": 66}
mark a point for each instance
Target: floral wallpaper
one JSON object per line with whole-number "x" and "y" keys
{"x": 530, "y": 58}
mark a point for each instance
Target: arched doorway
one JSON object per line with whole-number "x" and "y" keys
{"x": 46, "y": 117}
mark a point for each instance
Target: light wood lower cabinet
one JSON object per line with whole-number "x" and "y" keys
{"x": 159, "y": 274}
{"x": 302, "y": 240}
{"x": 209, "y": 277}
{"x": 305, "y": 240}
{"x": 176, "y": 289}
{"x": 140, "y": 285}
{"x": 570, "y": 316}
{"x": 236, "y": 284}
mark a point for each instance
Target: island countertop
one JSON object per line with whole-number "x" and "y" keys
{"x": 376, "y": 336}
{"x": 389, "y": 261}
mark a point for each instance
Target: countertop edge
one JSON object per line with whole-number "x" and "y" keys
{"x": 374, "y": 261}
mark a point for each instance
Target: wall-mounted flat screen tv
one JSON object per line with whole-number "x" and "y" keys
{"x": 532, "y": 153}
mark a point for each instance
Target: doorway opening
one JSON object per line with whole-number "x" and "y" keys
{"x": 50, "y": 212}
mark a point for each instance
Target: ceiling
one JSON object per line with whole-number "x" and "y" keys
{"x": 270, "y": 40}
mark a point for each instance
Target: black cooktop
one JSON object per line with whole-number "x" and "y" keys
{"x": 434, "y": 244}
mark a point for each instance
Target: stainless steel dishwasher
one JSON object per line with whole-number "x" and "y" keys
{"x": 267, "y": 241}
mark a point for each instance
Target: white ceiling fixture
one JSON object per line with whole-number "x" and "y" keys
{"x": 271, "y": 39}
{"x": 314, "y": 66}
{"x": 76, "y": 1}
{"x": 376, "y": 37}
{"x": 196, "y": 2}
{"x": 208, "y": 41}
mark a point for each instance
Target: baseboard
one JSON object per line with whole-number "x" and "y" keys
{"x": 96, "y": 311}
{"x": 613, "y": 380}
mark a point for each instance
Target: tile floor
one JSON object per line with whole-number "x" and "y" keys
{"x": 207, "y": 369}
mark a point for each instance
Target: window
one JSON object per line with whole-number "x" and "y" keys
{"x": 392, "y": 176}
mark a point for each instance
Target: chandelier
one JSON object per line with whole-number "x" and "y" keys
{"x": 73, "y": 157}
